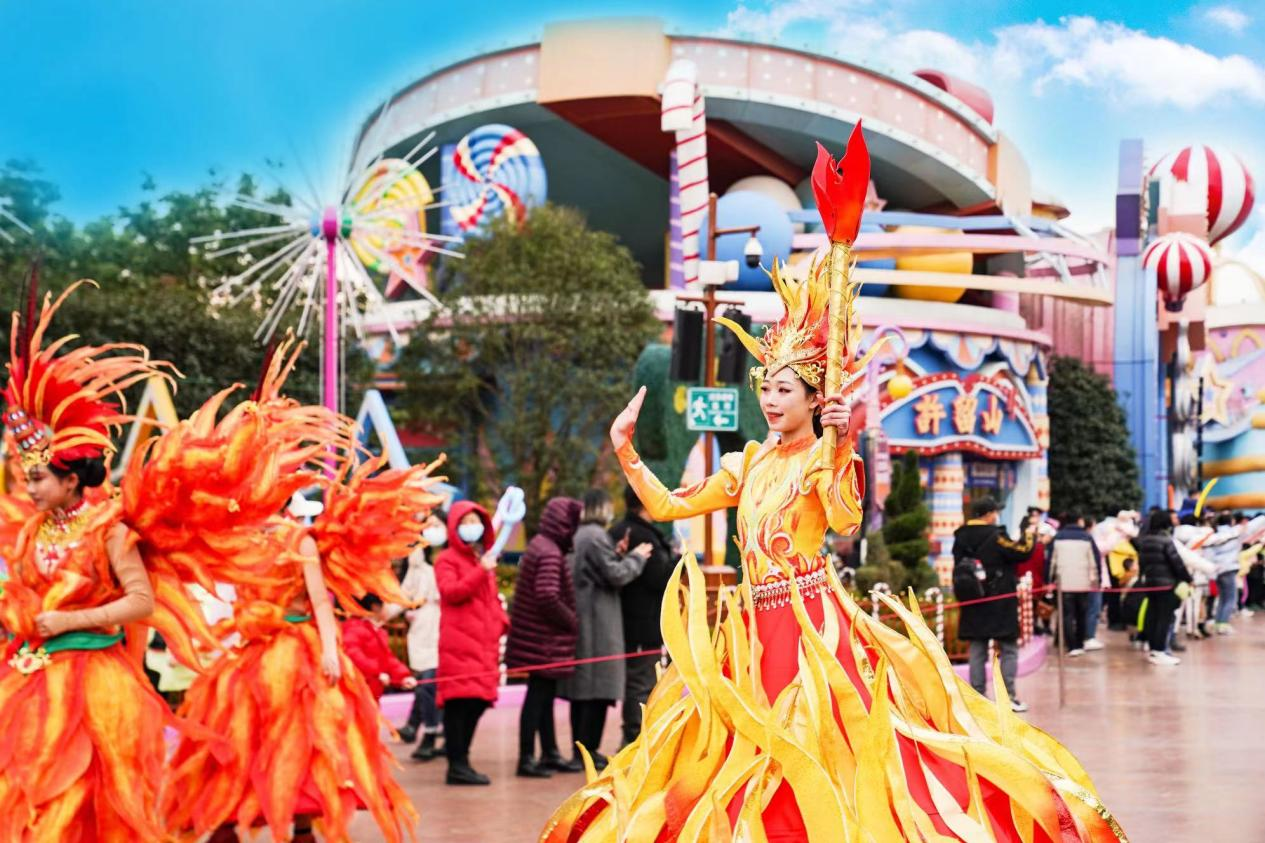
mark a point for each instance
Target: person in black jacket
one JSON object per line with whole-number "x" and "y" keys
{"x": 641, "y": 600}
{"x": 984, "y": 539}
{"x": 1160, "y": 565}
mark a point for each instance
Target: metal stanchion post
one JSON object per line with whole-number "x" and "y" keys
{"x": 1058, "y": 594}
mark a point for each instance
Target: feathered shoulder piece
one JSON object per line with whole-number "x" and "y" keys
{"x": 202, "y": 495}
{"x": 64, "y": 406}
{"x": 371, "y": 517}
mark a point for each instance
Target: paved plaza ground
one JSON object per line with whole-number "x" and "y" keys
{"x": 1175, "y": 752}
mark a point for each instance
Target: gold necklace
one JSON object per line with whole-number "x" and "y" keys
{"x": 63, "y": 525}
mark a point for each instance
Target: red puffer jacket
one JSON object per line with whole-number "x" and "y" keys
{"x": 471, "y": 620}
{"x": 369, "y": 649}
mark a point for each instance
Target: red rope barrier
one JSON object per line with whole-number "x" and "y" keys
{"x": 535, "y": 668}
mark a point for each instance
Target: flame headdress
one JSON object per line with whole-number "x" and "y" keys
{"x": 819, "y": 335}
{"x": 64, "y": 408}
{"x": 800, "y": 338}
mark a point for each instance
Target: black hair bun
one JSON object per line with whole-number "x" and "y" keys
{"x": 90, "y": 471}
{"x": 93, "y": 473}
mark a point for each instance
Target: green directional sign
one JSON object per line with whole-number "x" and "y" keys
{"x": 711, "y": 408}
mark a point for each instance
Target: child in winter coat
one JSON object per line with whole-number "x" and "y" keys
{"x": 365, "y": 642}
{"x": 423, "y": 637}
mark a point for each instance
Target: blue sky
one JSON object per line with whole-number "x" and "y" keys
{"x": 100, "y": 93}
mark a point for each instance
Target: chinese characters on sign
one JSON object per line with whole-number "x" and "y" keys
{"x": 930, "y": 412}
{"x": 988, "y": 416}
{"x": 712, "y": 409}
{"x": 964, "y": 407}
{"x": 993, "y": 416}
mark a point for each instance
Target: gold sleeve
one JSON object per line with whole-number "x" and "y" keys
{"x": 719, "y": 491}
{"x": 841, "y": 489}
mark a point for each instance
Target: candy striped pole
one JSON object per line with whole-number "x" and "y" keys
{"x": 934, "y": 594}
{"x": 683, "y": 112}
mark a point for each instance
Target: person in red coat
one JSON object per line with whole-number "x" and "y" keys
{"x": 365, "y": 642}
{"x": 543, "y": 631}
{"x": 471, "y": 623}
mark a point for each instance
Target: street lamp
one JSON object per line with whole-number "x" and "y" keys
{"x": 712, "y": 274}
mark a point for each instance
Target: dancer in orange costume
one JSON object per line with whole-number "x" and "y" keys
{"x": 299, "y": 729}
{"x": 801, "y": 718}
{"x": 15, "y": 503}
{"x": 81, "y": 730}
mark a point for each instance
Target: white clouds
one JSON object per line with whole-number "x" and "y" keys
{"x": 1125, "y": 65}
{"x": 1227, "y": 17}
{"x": 745, "y": 22}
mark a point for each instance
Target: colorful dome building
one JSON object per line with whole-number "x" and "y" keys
{"x": 960, "y": 257}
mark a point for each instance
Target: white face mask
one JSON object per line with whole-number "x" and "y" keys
{"x": 470, "y": 533}
{"x": 436, "y": 536}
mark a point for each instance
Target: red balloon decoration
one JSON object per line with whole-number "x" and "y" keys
{"x": 1221, "y": 177}
{"x": 1181, "y": 262}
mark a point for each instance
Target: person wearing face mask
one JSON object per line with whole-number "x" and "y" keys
{"x": 471, "y": 623}
{"x": 423, "y": 637}
{"x": 600, "y": 569}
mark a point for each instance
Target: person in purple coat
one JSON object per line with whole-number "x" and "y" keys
{"x": 543, "y": 630}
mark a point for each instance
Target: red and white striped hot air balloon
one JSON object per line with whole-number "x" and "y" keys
{"x": 1220, "y": 176}
{"x": 1181, "y": 263}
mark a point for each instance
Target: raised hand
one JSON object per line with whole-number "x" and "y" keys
{"x": 626, "y": 422}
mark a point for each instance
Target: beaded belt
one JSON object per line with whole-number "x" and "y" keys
{"x": 775, "y": 594}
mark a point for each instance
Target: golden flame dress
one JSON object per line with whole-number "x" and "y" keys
{"x": 799, "y": 717}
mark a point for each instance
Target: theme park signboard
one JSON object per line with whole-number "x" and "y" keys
{"x": 980, "y": 415}
{"x": 712, "y": 408}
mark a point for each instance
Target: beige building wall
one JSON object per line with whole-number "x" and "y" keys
{"x": 591, "y": 59}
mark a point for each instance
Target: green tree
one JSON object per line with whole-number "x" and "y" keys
{"x": 878, "y": 566}
{"x": 897, "y": 555}
{"x": 905, "y": 522}
{"x": 1093, "y": 467}
{"x": 530, "y": 356}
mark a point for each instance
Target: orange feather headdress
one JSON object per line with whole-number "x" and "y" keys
{"x": 64, "y": 408}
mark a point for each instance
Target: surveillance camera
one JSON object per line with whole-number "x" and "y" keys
{"x": 753, "y": 251}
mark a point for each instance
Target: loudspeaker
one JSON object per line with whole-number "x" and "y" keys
{"x": 734, "y": 361}
{"x": 687, "y": 345}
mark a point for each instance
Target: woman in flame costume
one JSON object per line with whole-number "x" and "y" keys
{"x": 298, "y": 729}
{"x": 81, "y": 730}
{"x": 799, "y": 717}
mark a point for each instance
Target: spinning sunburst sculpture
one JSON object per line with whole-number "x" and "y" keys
{"x": 323, "y": 261}
{"x": 7, "y": 218}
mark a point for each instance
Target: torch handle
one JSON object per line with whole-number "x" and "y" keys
{"x": 838, "y": 269}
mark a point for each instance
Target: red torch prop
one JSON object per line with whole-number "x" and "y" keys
{"x": 840, "y": 188}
